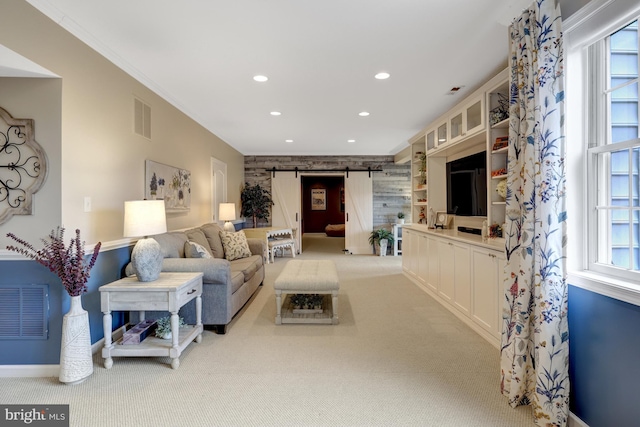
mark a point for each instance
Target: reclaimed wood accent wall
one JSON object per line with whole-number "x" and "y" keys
{"x": 391, "y": 186}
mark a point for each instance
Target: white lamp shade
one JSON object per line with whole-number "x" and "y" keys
{"x": 227, "y": 211}
{"x": 144, "y": 218}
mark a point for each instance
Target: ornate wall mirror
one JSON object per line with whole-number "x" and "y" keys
{"x": 23, "y": 166}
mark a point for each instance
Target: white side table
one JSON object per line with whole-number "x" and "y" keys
{"x": 168, "y": 293}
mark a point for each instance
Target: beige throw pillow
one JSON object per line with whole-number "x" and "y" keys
{"x": 235, "y": 245}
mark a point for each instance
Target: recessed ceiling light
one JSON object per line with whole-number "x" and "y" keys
{"x": 275, "y": 113}
{"x": 382, "y": 76}
{"x": 289, "y": 141}
{"x": 363, "y": 114}
{"x": 351, "y": 141}
{"x": 260, "y": 79}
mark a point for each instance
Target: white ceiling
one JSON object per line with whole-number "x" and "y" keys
{"x": 320, "y": 57}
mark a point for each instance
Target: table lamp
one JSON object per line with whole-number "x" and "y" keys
{"x": 227, "y": 212}
{"x": 144, "y": 218}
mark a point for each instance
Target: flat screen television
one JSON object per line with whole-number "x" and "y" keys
{"x": 467, "y": 185}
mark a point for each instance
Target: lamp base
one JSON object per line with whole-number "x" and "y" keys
{"x": 228, "y": 226}
{"x": 146, "y": 259}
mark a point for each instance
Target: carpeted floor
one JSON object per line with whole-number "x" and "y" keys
{"x": 396, "y": 358}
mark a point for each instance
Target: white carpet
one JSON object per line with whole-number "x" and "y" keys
{"x": 396, "y": 358}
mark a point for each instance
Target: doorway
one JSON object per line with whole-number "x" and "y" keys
{"x": 322, "y": 202}
{"x": 218, "y": 187}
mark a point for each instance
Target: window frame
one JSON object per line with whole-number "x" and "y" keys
{"x": 592, "y": 24}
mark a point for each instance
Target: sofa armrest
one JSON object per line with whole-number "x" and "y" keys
{"x": 257, "y": 246}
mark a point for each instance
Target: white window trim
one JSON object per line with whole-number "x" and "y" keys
{"x": 594, "y": 21}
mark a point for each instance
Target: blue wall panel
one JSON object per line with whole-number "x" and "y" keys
{"x": 604, "y": 359}
{"x": 109, "y": 267}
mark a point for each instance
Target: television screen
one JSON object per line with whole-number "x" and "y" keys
{"x": 467, "y": 185}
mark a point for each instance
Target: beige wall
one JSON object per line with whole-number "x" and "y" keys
{"x": 101, "y": 157}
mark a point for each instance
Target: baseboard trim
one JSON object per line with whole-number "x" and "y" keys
{"x": 29, "y": 371}
{"x": 43, "y": 371}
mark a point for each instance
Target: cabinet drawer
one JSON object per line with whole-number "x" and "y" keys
{"x": 187, "y": 293}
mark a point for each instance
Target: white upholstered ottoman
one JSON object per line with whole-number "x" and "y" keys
{"x": 307, "y": 277}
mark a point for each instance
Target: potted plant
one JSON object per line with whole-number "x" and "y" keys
{"x": 400, "y": 219}
{"x": 163, "y": 329}
{"x": 72, "y": 268}
{"x": 382, "y": 238}
{"x": 256, "y": 202}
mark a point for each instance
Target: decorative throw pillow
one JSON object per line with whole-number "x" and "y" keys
{"x": 235, "y": 245}
{"x": 195, "y": 250}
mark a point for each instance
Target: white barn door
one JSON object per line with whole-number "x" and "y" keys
{"x": 358, "y": 212}
{"x": 286, "y": 211}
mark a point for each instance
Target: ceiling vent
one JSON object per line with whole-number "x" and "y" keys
{"x": 142, "y": 118}
{"x": 454, "y": 90}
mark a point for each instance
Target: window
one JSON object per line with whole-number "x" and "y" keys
{"x": 613, "y": 154}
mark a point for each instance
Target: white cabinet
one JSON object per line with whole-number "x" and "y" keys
{"x": 488, "y": 278}
{"x": 431, "y": 139}
{"x": 455, "y": 277}
{"x": 467, "y": 120}
{"x": 422, "y": 259}
{"x": 447, "y": 269}
{"x": 410, "y": 257}
{"x": 433, "y": 262}
{"x": 465, "y": 277}
{"x": 462, "y": 278}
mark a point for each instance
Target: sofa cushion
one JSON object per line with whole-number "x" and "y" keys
{"x": 196, "y": 235}
{"x": 248, "y": 266}
{"x": 172, "y": 244}
{"x": 235, "y": 245}
{"x": 212, "y": 233}
{"x": 237, "y": 280}
{"x": 195, "y": 250}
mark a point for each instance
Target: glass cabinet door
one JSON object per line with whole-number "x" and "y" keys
{"x": 474, "y": 115}
{"x": 455, "y": 124}
{"x": 442, "y": 134}
{"x": 431, "y": 140}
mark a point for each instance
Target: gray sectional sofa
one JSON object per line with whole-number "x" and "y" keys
{"x": 227, "y": 285}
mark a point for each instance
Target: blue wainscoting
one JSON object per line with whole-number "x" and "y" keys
{"x": 109, "y": 267}
{"x": 604, "y": 359}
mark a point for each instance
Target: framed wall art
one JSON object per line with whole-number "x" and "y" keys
{"x": 318, "y": 199}
{"x": 168, "y": 183}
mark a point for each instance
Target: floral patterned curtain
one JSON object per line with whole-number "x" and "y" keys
{"x": 535, "y": 337}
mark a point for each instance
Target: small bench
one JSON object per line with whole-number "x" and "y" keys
{"x": 281, "y": 244}
{"x": 307, "y": 277}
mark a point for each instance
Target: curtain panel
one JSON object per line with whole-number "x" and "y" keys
{"x": 535, "y": 336}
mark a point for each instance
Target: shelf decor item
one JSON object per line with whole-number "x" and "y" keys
{"x": 501, "y": 189}
{"x": 400, "y": 219}
{"x": 71, "y": 267}
{"x": 163, "y": 328}
{"x": 501, "y": 112}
